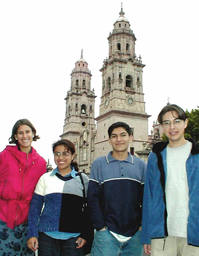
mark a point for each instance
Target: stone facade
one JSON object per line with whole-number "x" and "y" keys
{"x": 122, "y": 98}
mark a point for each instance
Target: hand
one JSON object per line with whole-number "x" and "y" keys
{"x": 32, "y": 243}
{"x": 80, "y": 242}
{"x": 147, "y": 249}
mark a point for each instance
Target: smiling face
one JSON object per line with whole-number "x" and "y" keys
{"x": 63, "y": 158}
{"x": 120, "y": 140}
{"x": 24, "y": 137}
{"x": 174, "y": 128}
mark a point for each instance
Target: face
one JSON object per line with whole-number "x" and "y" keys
{"x": 63, "y": 158}
{"x": 173, "y": 127}
{"x": 120, "y": 140}
{"x": 24, "y": 137}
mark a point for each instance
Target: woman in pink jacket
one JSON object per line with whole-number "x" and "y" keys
{"x": 20, "y": 168}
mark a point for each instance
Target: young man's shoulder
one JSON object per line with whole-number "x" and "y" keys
{"x": 100, "y": 160}
{"x": 195, "y": 148}
{"x": 140, "y": 163}
{"x": 139, "y": 160}
{"x": 158, "y": 147}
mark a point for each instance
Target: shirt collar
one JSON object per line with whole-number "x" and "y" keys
{"x": 109, "y": 158}
{"x": 72, "y": 173}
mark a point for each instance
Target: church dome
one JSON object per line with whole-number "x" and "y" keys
{"x": 81, "y": 65}
{"x": 122, "y": 17}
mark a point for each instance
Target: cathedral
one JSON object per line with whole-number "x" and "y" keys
{"x": 122, "y": 99}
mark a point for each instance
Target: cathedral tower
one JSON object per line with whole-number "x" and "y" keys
{"x": 122, "y": 89}
{"x": 79, "y": 124}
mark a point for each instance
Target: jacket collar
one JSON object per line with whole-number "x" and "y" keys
{"x": 19, "y": 155}
{"x": 73, "y": 173}
{"x": 158, "y": 147}
{"x": 109, "y": 158}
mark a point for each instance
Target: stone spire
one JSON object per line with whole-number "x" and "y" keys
{"x": 81, "y": 58}
{"x": 122, "y": 12}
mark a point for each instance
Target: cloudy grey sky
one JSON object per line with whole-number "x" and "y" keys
{"x": 42, "y": 39}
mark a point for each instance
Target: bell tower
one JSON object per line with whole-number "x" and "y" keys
{"x": 122, "y": 88}
{"x": 79, "y": 123}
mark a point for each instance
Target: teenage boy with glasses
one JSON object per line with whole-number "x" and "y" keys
{"x": 170, "y": 224}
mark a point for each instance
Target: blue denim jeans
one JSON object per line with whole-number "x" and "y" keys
{"x": 105, "y": 244}
{"x": 49, "y": 246}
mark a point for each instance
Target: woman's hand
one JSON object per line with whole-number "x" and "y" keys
{"x": 32, "y": 243}
{"x": 80, "y": 242}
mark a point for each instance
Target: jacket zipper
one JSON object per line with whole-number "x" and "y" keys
{"x": 22, "y": 189}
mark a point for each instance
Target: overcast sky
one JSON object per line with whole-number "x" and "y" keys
{"x": 40, "y": 41}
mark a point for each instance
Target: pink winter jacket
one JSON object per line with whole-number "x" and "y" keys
{"x": 19, "y": 173}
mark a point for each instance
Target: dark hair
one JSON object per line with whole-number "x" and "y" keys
{"x": 170, "y": 108}
{"x": 117, "y": 125}
{"x": 70, "y": 147}
{"x": 16, "y": 126}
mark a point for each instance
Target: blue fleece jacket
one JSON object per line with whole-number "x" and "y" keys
{"x": 154, "y": 222}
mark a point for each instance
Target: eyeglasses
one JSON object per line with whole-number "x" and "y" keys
{"x": 176, "y": 122}
{"x": 63, "y": 154}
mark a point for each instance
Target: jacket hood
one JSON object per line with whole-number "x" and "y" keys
{"x": 158, "y": 147}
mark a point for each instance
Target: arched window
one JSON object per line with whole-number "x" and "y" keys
{"x": 127, "y": 47}
{"x": 118, "y": 46}
{"x": 83, "y": 109}
{"x": 129, "y": 81}
{"x": 69, "y": 110}
{"x": 77, "y": 82}
{"x": 138, "y": 81}
{"x": 104, "y": 84}
{"x": 109, "y": 83}
{"x": 84, "y": 84}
